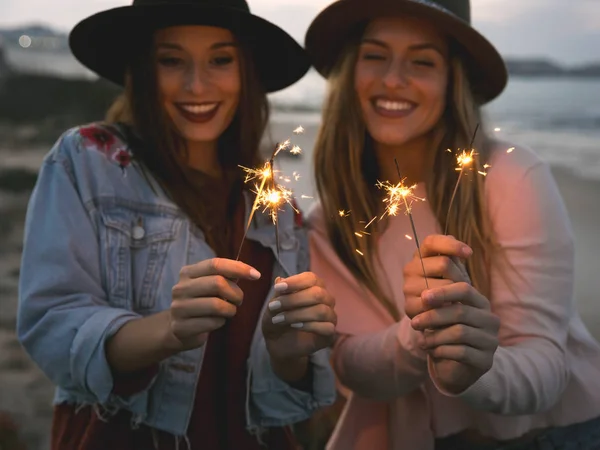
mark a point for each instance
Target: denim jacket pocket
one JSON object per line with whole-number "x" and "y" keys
{"x": 136, "y": 244}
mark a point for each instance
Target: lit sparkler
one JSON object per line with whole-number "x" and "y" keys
{"x": 465, "y": 159}
{"x": 269, "y": 195}
{"x": 405, "y": 194}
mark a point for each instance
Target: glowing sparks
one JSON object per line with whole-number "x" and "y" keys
{"x": 510, "y": 150}
{"x": 396, "y": 196}
{"x": 271, "y": 196}
{"x": 408, "y": 237}
{"x": 282, "y": 147}
{"x": 273, "y": 199}
{"x": 359, "y": 252}
{"x": 465, "y": 159}
{"x": 370, "y": 222}
{"x": 343, "y": 213}
{"x": 263, "y": 173}
{"x": 497, "y": 130}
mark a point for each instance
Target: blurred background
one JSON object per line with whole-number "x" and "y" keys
{"x": 552, "y": 104}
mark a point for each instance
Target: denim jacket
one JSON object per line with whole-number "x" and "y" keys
{"x": 104, "y": 245}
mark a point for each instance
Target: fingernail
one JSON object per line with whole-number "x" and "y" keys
{"x": 278, "y": 319}
{"x": 415, "y": 322}
{"x": 254, "y": 274}
{"x": 280, "y": 287}
{"x": 466, "y": 251}
{"x": 297, "y": 325}
{"x": 275, "y": 305}
{"x": 428, "y": 296}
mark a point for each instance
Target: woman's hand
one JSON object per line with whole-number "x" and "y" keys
{"x": 300, "y": 319}
{"x": 204, "y": 298}
{"x": 461, "y": 332}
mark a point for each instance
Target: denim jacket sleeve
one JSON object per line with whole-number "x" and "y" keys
{"x": 274, "y": 402}
{"x": 64, "y": 319}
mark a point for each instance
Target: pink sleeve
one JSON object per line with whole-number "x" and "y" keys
{"x": 381, "y": 366}
{"x": 375, "y": 357}
{"x": 531, "y": 368}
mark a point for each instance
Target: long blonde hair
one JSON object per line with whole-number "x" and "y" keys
{"x": 346, "y": 173}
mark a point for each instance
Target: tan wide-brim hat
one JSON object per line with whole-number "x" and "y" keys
{"x": 330, "y": 30}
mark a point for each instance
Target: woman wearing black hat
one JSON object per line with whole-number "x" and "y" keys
{"x": 487, "y": 351}
{"x": 131, "y": 292}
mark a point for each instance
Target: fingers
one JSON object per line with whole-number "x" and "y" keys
{"x": 482, "y": 359}
{"x": 314, "y": 295}
{"x": 449, "y": 268}
{"x": 227, "y": 268}
{"x": 436, "y": 244}
{"x": 456, "y": 314}
{"x": 457, "y": 292}
{"x": 413, "y": 288}
{"x": 317, "y": 313}
{"x": 208, "y": 286}
{"x": 296, "y": 283}
{"x": 460, "y": 335}
{"x": 195, "y": 327}
{"x": 202, "y": 307}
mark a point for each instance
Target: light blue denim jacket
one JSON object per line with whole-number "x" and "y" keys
{"x": 104, "y": 245}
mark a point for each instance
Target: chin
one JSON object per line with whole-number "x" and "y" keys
{"x": 393, "y": 139}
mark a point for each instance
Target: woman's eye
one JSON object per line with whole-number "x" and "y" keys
{"x": 169, "y": 61}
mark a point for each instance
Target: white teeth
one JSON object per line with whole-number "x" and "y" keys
{"x": 393, "y": 106}
{"x": 199, "y": 109}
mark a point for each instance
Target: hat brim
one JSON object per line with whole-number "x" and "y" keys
{"x": 328, "y": 34}
{"x": 105, "y": 41}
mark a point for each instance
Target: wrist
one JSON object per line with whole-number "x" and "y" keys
{"x": 169, "y": 344}
{"x": 290, "y": 370}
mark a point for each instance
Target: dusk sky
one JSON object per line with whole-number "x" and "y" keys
{"x": 565, "y": 30}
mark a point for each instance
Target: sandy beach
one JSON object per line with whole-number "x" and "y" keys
{"x": 26, "y": 394}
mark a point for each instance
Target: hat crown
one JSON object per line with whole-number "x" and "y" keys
{"x": 460, "y": 8}
{"x": 235, "y": 4}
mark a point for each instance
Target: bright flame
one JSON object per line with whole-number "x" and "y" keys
{"x": 397, "y": 195}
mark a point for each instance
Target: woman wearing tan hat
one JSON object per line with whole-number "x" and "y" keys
{"x": 130, "y": 290}
{"x": 488, "y": 351}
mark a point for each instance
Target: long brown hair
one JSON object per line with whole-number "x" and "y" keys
{"x": 161, "y": 149}
{"x": 346, "y": 172}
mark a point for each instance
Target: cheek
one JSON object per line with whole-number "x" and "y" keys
{"x": 436, "y": 90}
{"x": 168, "y": 84}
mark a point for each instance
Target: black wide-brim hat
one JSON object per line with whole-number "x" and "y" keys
{"x": 105, "y": 42}
{"x": 329, "y": 32}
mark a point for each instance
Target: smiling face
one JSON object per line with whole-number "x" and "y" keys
{"x": 199, "y": 81}
{"x": 401, "y": 78}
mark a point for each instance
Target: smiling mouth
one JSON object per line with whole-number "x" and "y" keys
{"x": 392, "y": 108}
{"x": 198, "y": 112}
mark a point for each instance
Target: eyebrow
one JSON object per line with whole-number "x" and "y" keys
{"x": 216, "y": 46}
{"x": 423, "y": 46}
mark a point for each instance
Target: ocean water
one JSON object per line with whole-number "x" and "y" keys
{"x": 558, "y": 118}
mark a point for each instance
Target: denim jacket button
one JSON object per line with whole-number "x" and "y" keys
{"x": 288, "y": 244}
{"x": 138, "y": 232}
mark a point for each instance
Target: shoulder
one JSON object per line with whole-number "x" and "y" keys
{"x": 315, "y": 218}
{"x": 510, "y": 163}
{"x": 98, "y": 142}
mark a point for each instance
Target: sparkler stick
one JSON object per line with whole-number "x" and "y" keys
{"x": 412, "y": 224}
{"x": 264, "y": 174}
{"x": 270, "y": 195}
{"x": 274, "y": 212}
{"x": 464, "y": 159}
